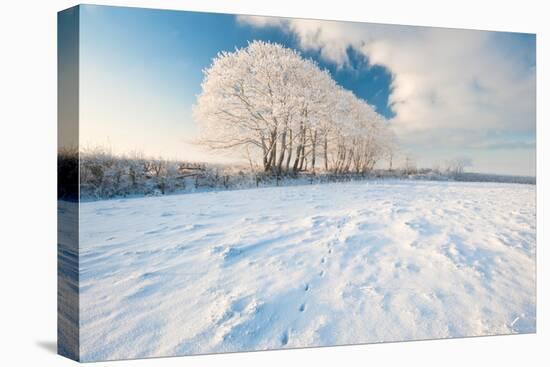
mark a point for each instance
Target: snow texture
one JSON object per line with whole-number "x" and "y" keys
{"x": 305, "y": 266}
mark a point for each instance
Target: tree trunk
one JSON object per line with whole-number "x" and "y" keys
{"x": 273, "y": 163}
{"x": 325, "y": 153}
{"x": 272, "y": 151}
{"x": 302, "y": 158}
{"x": 350, "y": 157}
{"x": 264, "y": 150}
{"x": 313, "y": 153}
{"x": 303, "y": 154}
{"x": 297, "y": 159}
{"x": 299, "y": 151}
{"x": 282, "y": 153}
{"x": 341, "y": 159}
{"x": 289, "y": 151}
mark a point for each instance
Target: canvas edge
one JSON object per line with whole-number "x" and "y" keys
{"x": 68, "y": 45}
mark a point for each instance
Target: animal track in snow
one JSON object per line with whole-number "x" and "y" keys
{"x": 284, "y": 338}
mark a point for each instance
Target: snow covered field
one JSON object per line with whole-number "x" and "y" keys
{"x": 305, "y": 266}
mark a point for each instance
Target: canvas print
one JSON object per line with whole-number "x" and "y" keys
{"x": 232, "y": 183}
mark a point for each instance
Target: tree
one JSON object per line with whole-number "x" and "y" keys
{"x": 410, "y": 165}
{"x": 247, "y": 100}
{"x": 456, "y": 165}
{"x": 265, "y": 100}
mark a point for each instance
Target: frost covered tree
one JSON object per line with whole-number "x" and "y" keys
{"x": 248, "y": 100}
{"x": 410, "y": 165}
{"x": 456, "y": 165}
{"x": 285, "y": 112}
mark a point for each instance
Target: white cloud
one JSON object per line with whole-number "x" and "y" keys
{"x": 444, "y": 80}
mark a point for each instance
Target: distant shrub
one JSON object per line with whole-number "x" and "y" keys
{"x": 105, "y": 175}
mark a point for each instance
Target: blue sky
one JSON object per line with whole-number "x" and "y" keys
{"x": 141, "y": 70}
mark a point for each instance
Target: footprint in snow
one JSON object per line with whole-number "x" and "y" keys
{"x": 284, "y": 338}
{"x": 148, "y": 275}
{"x": 155, "y": 231}
{"x": 178, "y": 227}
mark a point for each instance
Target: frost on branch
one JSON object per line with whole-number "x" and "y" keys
{"x": 287, "y": 114}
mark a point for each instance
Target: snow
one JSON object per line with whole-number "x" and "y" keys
{"x": 304, "y": 266}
